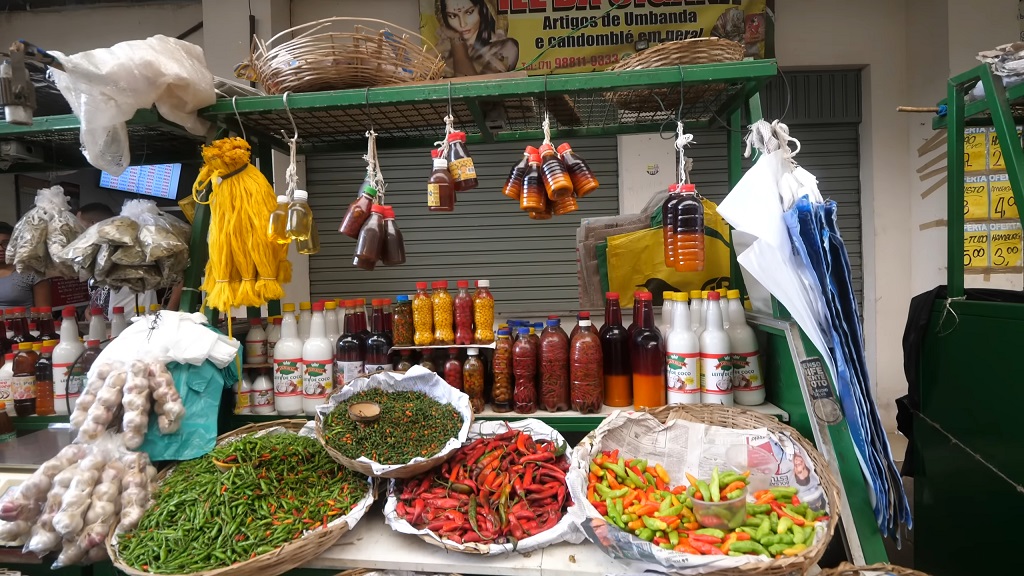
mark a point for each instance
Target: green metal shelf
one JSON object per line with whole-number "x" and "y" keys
{"x": 37, "y": 422}
{"x": 972, "y": 110}
{"x": 506, "y": 109}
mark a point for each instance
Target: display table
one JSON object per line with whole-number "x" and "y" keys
{"x": 373, "y": 544}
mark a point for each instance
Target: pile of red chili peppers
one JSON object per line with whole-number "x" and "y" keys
{"x": 494, "y": 490}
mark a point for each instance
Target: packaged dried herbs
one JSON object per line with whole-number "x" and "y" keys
{"x": 43, "y": 231}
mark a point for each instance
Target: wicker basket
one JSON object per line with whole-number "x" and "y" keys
{"x": 847, "y": 569}
{"x": 677, "y": 53}
{"x": 338, "y": 53}
{"x": 285, "y": 558}
{"x": 738, "y": 419}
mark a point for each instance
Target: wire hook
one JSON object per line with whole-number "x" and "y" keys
{"x": 450, "y": 98}
{"x": 237, "y": 117}
{"x": 295, "y": 130}
{"x": 679, "y": 113}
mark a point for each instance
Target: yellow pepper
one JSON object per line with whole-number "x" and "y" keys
{"x": 798, "y": 548}
{"x": 662, "y": 473}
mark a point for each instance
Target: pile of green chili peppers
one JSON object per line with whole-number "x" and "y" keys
{"x": 272, "y": 489}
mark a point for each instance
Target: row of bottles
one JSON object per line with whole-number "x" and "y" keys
{"x": 438, "y": 319}
{"x": 292, "y": 221}
{"x": 546, "y": 183}
{"x": 34, "y": 381}
{"x": 452, "y": 172}
{"x": 682, "y": 216}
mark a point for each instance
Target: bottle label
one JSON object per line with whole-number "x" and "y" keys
{"x": 433, "y": 195}
{"x": 683, "y": 375}
{"x": 746, "y": 372}
{"x": 76, "y": 383}
{"x": 288, "y": 377}
{"x": 60, "y": 381}
{"x": 462, "y": 169}
{"x": 318, "y": 378}
{"x": 23, "y": 387}
{"x": 255, "y": 349}
{"x": 242, "y": 402}
{"x": 262, "y": 398}
{"x": 345, "y": 372}
{"x": 5, "y": 391}
{"x": 716, "y": 374}
{"x": 373, "y": 368}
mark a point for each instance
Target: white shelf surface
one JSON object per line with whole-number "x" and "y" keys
{"x": 374, "y": 545}
{"x": 767, "y": 408}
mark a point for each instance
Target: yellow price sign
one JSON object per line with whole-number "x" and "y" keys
{"x": 975, "y": 147}
{"x": 975, "y": 198}
{"x": 976, "y": 246}
{"x": 1005, "y": 243}
{"x": 995, "y": 152}
{"x": 1002, "y": 204}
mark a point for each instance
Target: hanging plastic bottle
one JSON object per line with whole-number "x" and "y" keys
{"x": 583, "y": 180}
{"x": 358, "y": 211}
{"x": 514, "y": 184}
{"x": 546, "y": 214}
{"x": 689, "y": 231}
{"x": 715, "y": 358}
{"x": 300, "y": 217}
{"x": 311, "y": 244}
{"x": 647, "y": 357}
{"x": 460, "y": 163}
{"x": 668, "y": 227}
{"x": 277, "y": 225}
{"x": 747, "y": 379}
{"x": 565, "y": 205}
{"x": 615, "y": 345}
{"x": 556, "y": 180}
{"x": 534, "y": 198}
{"x": 440, "y": 186}
{"x": 394, "y": 243}
{"x": 683, "y": 356}
{"x": 371, "y": 236}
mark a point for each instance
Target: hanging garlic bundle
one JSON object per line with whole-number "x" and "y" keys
{"x": 245, "y": 268}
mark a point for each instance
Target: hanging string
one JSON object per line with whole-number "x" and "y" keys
{"x": 373, "y": 173}
{"x": 546, "y": 127}
{"x": 682, "y": 141}
{"x": 291, "y": 175}
{"x": 449, "y": 127}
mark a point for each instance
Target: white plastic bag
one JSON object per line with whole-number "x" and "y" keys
{"x": 43, "y": 231}
{"x": 105, "y": 87}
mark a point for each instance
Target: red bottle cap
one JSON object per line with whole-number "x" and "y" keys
{"x": 673, "y": 188}
{"x": 546, "y": 148}
{"x": 277, "y": 321}
{"x": 377, "y": 209}
{"x": 553, "y": 317}
{"x": 584, "y": 315}
{"x": 117, "y": 310}
{"x": 531, "y": 150}
{"x": 644, "y": 296}
{"x": 255, "y": 322}
{"x": 421, "y": 285}
{"x": 318, "y": 306}
{"x": 17, "y": 310}
{"x": 457, "y": 137}
{"x": 611, "y": 295}
{"x": 442, "y": 284}
{"x": 389, "y": 211}
{"x": 67, "y": 312}
{"x": 96, "y": 311}
{"x": 34, "y": 310}
{"x": 713, "y": 295}
{"x": 45, "y": 310}
{"x": 361, "y": 302}
{"x": 534, "y": 157}
{"x": 435, "y": 153}
{"x": 563, "y": 147}
{"x": 375, "y": 302}
{"x": 688, "y": 188}
{"x": 462, "y": 283}
{"x": 92, "y": 343}
{"x": 387, "y": 301}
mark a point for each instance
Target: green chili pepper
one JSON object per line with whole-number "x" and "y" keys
{"x": 795, "y": 510}
{"x": 649, "y": 479}
{"x": 785, "y": 523}
{"x": 784, "y": 492}
{"x": 715, "y": 496}
{"x": 774, "y": 518}
{"x": 640, "y": 464}
{"x": 618, "y": 507}
{"x": 748, "y": 547}
{"x": 811, "y": 515}
{"x": 733, "y": 495}
{"x": 711, "y": 532}
{"x": 734, "y": 554}
{"x": 654, "y": 523}
{"x": 608, "y": 493}
{"x": 748, "y": 530}
{"x": 596, "y": 470}
{"x": 776, "y": 549}
{"x": 674, "y": 510}
{"x": 665, "y": 505}
{"x": 705, "y": 492}
{"x": 636, "y": 479}
{"x": 691, "y": 491}
{"x": 764, "y": 529}
{"x": 618, "y": 469}
{"x": 755, "y": 509}
{"x": 645, "y": 534}
{"x": 730, "y": 477}
{"x": 673, "y": 537}
{"x": 798, "y": 534}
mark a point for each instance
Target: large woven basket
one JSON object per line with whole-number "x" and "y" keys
{"x": 338, "y": 53}
{"x": 677, "y": 53}
{"x": 847, "y": 569}
{"x": 739, "y": 419}
{"x": 281, "y": 560}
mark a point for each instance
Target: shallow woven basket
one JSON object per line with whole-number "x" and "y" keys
{"x": 289, "y": 556}
{"x": 739, "y": 419}
{"x": 677, "y": 53}
{"x": 847, "y": 569}
{"x": 338, "y": 53}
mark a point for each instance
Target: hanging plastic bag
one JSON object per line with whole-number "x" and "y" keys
{"x": 47, "y": 228}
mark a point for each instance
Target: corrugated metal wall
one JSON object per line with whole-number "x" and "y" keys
{"x": 531, "y": 264}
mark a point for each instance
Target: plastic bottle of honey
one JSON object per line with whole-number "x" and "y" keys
{"x": 556, "y": 180}
{"x": 543, "y": 215}
{"x": 371, "y": 239}
{"x": 668, "y": 227}
{"x": 534, "y": 198}
{"x": 440, "y": 186}
{"x": 514, "y": 184}
{"x": 277, "y": 225}
{"x": 689, "y": 231}
{"x": 44, "y": 380}
{"x": 460, "y": 164}
{"x": 394, "y": 242}
{"x": 357, "y": 213}
{"x": 565, "y": 205}
{"x": 583, "y": 180}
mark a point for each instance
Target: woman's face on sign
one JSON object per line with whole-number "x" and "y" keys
{"x": 464, "y": 17}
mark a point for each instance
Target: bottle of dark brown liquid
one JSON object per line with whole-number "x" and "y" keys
{"x": 556, "y": 180}
{"x": 394, "y": 244}
{"x": 583, "y": 180}
{"x": 23, "y": 385}
{"x": 371, "y": 238}
{"x": 440, "y": 187}
{"x": 514, "y": 185}
{"x": 460, "y": 164}
{"x": 45, "y": 324}
{"x": 533, "y": 198}
{"x": 358, "y": 211}
{"x": 44, "y": 380}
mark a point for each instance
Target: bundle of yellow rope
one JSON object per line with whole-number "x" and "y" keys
{"x": 245, "y": 268}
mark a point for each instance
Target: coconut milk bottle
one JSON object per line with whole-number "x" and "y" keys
{"x": 317, "y": 363}
{"x": 747, "y": 380}
{"x": 715, "y": 357}
{"x": 288, "y": 366}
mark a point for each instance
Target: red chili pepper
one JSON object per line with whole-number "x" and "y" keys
{"x": 602, "y": 508}
{"x": 796, "y": 501}
{"x": 705, "y": 548}
{"x": 538, "y": 457}
{"x": 694, "y": 537}
{"x": 777, "y": 507}
{"x": 444, "y": 503}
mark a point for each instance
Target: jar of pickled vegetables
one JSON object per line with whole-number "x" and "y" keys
{"x": 473, "y": 379}
{"x": 554, "y": 368}
{"x": 483, "y": 313}
{"x": 402, "y": 324}
{"x": 422, "y": 316}
{"x": 463, "y": 305}
{"x": 586, "y": 370}
{"x": 443, "y": 313}
{"x": 524, "y": 366}
{"x": 453, "y": 369}
{"x": 501, "y": 367}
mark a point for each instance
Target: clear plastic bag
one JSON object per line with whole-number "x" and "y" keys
{"x": 43, "y": 231}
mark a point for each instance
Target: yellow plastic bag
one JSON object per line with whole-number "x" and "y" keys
{"x": 637, "y": 260}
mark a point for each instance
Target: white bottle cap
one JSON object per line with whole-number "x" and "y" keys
{"x": 282, "y": 199}
{"x": 483, "y": 283}
{"x": 300, "y": 195}
{"x": 473, "y": 351}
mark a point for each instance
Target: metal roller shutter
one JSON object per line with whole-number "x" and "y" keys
{"x": 531, "y": 264}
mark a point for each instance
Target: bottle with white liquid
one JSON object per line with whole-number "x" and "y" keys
{"x": 683, "y": 355}
{"x": 667, "y": 304}
{"x": 696, "y": 303}
{"x": 65, "y": 353}
{"x": 6, "y": 383}
{"x": 341, "y": 316}
{"x": 243, "y": 396}
{"x": 331, "y": 321}
{"x": 263, "y": 394}
{"x": 317, "y": 362}
{"x": 256, "y": 343}
{"x": 305, "y": 317}
{"x": 747, "y": 379}
{"x": 117, "y": 322}
{"x": 715, "y": 357}
{"x": 97, "y": 325}
{"x": 273, "y": 334}
{"x": 288, "y": 366}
